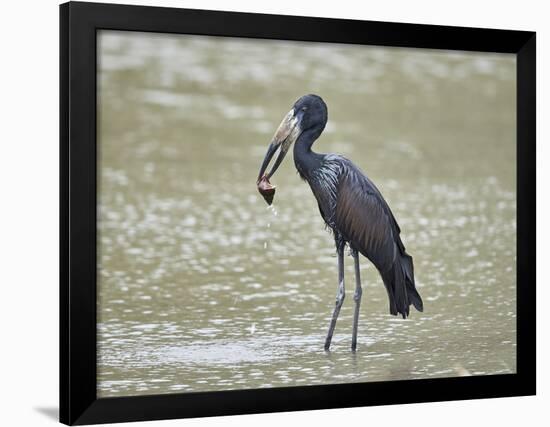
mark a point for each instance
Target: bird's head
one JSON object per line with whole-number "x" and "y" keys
{"x": 309, "y": 113}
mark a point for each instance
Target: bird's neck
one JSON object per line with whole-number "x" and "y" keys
{"x": 305, "y": 159}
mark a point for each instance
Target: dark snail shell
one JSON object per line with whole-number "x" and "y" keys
{"x": 266, "y": 190}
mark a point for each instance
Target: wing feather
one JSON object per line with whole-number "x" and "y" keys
{"x": 365, "y": 220}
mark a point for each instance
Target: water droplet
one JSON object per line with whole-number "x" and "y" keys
{"x": 272, "y": 209}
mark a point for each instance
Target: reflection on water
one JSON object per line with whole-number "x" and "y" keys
{"x": 203, "y": 288}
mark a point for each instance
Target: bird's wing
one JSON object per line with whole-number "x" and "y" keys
{"x": 364, "y": 218}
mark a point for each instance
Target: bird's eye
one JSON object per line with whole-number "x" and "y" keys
{"x": 304, "y": 108}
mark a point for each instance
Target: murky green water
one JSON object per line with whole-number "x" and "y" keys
{"x": 203, "y": 288}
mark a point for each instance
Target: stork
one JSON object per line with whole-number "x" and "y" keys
{"x": 350, "y": 205}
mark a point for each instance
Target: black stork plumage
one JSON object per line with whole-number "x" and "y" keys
{"x": 351, "y": 206}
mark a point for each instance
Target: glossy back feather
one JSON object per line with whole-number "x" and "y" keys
{"x": 354, "y": 209}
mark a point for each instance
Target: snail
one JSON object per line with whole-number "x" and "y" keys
{"x": 266, "y": 189}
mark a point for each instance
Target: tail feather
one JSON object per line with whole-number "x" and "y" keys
{"x": 399, "y": 282}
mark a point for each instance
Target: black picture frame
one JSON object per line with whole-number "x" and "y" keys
{"x": 79, "y": 23}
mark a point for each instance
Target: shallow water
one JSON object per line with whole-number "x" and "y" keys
{"x": 201, "y": 287}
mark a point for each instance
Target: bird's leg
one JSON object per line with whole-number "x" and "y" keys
{"x": 357, "y": 299}
{"x": 340, "y": 295}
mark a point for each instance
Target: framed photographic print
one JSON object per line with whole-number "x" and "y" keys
{"x": 274, "y": 213}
